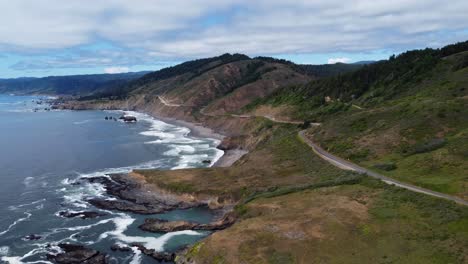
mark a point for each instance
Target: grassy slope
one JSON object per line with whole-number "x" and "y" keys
{"x": 408, "y": 116}
{"x": 296, "y": 208}
{"x": 423, "y": 136}
{"x": 362, "y": 223}
{"x": 278, "y": 161}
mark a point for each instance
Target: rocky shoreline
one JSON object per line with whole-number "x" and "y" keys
{"x": 134, "y": 195}
{"x": 131, "y": 193}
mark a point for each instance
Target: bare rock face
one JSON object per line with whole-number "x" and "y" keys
{"x": 74, "y": 254}
{"x": 163, "y": 226}
{"x": 125, "y": 206}
{"x": 133, "y": 197}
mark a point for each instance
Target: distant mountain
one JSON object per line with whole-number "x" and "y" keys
{"x": 364, "y": 62}
{"x": 221, "y": 84}
{"x": 66, "y": 85}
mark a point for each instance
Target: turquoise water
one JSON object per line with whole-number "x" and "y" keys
{"x": 43, "y": 152}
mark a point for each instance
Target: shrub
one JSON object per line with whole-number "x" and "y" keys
{"x": 385, "y": 166}
{"x": 429, "y": 146}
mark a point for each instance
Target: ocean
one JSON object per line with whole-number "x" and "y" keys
{"x": 42, "y": 153}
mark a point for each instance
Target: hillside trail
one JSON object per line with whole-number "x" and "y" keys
{"x": 337, "y": 161}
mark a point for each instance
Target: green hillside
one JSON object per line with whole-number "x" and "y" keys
{"x": 407, "y": 117}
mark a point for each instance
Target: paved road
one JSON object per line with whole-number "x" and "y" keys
{"x": 346, "y": 165}
{"x": 341, "y": 163}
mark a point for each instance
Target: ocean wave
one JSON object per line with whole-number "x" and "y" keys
{"x": 218, "y": 155}
{"x": 20, "y": 110}
{"x": 16, "y": 207}
{"x": 178, "y": 149}
{"x": 105, "y": 172}
{"x": 187, "y": 161}
{"x": 19, "y": 220}
{"x": 82, "y": 122}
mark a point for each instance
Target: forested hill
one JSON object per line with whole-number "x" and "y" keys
{"x": 66, "y": 85}
{"x": 201, "y": 68}
{"x": 402, "y": 75}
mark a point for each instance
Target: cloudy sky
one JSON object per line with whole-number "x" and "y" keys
{"x": 62, "y": 37}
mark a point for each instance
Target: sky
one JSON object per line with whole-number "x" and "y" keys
{"x": 57, "y": 37}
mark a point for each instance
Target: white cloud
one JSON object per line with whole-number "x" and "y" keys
{"x": 175, "y": 29}
{"x": 113, "y": 70}
{"x": 336, "y": 60}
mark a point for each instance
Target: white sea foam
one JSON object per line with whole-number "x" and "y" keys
{"x": 28, "y": 215}
{"x": 4, "y": 250}
{"x": 187, "y": 161}
{"x": 178, "y": 140}
{"x": 28, "y": 181}
{"x": 12, "y": 260}
{"x": 156, "y": 243}
{"x": 20, "y": 260}
{"x": 176, "y": 150}
{"x": 137, "y": 257}
{"x": 77, "y": 196}
{"x": 218, "y": 155}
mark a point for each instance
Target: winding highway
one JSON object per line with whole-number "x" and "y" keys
{"x": 339, "y": 162}
{"x": 346, "y": 165}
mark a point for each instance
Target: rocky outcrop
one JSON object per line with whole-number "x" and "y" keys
{"x": 163, "y": 226}
{"x": 128, "y": 118}
{"x": 32, "y": 237}
{"x": 136, "y": 197}
{"x": 74, "y": 254}
{"x": 82, "y": 214}
{"x": 127, "y": 206}
{"x": 159, "y": 256}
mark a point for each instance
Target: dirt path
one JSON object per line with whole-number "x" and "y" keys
{"x": 165, "y": 102}
{"x": 346, "y": 165}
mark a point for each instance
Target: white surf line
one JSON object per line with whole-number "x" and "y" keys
{"x": 346, "y": 165}
{"x": 15, "y": 223}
